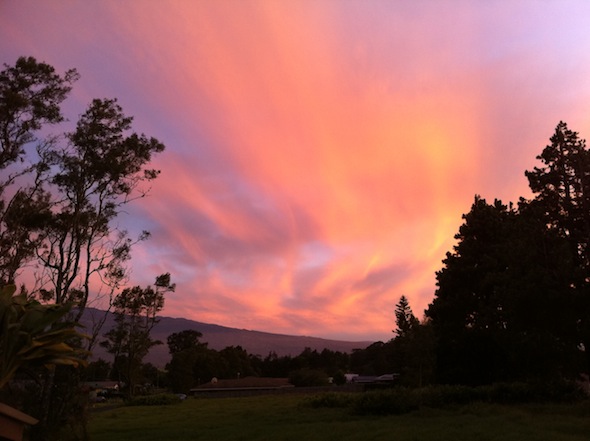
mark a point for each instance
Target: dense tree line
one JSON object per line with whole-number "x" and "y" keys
{"x": 193, "y": 363}
{"x": 513, "y": 297}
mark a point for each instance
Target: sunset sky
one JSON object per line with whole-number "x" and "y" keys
{"x": 320, "y": 153}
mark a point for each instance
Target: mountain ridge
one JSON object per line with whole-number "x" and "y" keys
{"x": 219, "y": 337}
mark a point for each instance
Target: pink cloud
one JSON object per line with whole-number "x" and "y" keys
{"x": 320, "y": 154}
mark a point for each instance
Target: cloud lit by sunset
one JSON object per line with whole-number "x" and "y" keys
{"x": 319, "y": 154}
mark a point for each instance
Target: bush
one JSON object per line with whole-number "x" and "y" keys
{"x": 386, "y": 402}
{"x": 443, "y": 395}
{"x": 564, "y": 391}
{"x": 331, "y": 399}
{"x": 514, "y": 393}
{"x": 400, "y": 400}
{"x": 508, "y": 393}
{"x": 154, "y": 400}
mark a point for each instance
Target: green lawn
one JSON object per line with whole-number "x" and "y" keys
{"x": 285, "y": 418}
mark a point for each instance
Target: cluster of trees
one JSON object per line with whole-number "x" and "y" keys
{"x": 136, "y": 313}
{"x": 60, "y": 196}
{"x": 513, "y": 297}
{"x": 193, "y": 363}
{"x": 410, "y": 353}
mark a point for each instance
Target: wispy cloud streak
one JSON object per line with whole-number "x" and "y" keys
{"x": 320, "y": 154}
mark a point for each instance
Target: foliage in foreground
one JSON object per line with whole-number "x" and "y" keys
{"x": 32, "y": 335}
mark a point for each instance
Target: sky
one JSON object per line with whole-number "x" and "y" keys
{"x": 319, "y": 153}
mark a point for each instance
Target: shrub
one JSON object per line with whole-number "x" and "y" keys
{"x": 331, "y": 399}
{"x": 566, "y": 391}
{"x": 400, "y": 400}
{"x": 443, "y": 395}
{"x": 514, "y": 393}
{"x": 154, "y": 400}
{"x": 508, "y": 393}
{"x": 386, "y": 402}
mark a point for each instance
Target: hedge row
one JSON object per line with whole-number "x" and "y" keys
{"x": 154, "y": 400}
{"x": 401, "y": 400}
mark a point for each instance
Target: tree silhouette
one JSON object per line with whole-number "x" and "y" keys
{"x": 562, "y": 194}
{"x": 136, "y": 311}
{"x": 405, "y": 320}
{"x": 185, "y": 349}
{"x": 30, "y": 97}
{"x": 59, "y": 199}
{"x": 494, "y": 313}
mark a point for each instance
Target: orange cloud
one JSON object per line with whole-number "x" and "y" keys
{"x": 320, "y": 154}
{"x": 373, "y": 168}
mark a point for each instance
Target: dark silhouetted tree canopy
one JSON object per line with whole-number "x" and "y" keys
{"x": 505, "y": 307}
{"x": 136, "y": 311}
{"x": 60, "y": 195}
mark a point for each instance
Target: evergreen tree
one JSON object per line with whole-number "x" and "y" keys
{"x": 411, "y": 349}
{"x": 405, "y": 320}
{"x": 562, "y": 188}
{"x": 562, "y": 194}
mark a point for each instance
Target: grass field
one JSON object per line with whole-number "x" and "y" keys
{"x": 286, "y": 417}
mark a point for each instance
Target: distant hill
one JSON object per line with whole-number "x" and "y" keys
{"x": 219, "y": 337}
